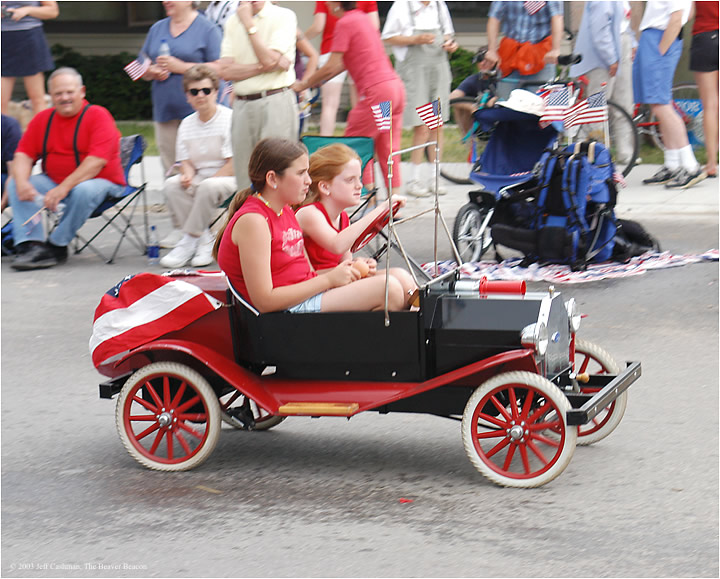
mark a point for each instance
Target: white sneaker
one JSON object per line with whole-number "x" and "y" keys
{"x": 441, "y": 190}
{"x": 203, "y": 253}
{"x": 416, "y": 189}
{"x": 182, "y": 254}
{"x": 172, "y": 239}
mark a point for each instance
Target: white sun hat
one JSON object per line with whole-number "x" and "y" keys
{"x": 524, "y": 101}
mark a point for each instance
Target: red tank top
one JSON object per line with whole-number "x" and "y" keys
{"x": 706, "y": 17}
{"x": 288, "y": 264}
{"x": 320, "y": 257}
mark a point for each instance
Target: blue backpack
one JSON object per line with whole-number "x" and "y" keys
{"x": 573, "y": 219}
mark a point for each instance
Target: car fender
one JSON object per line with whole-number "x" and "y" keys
{"x": 238, "y": 377}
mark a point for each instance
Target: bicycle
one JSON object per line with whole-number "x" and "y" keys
{"x": 619, "y": 121}
{"x": 687, "y": 103}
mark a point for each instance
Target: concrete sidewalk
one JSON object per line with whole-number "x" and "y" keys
{"x": 636, "y": 199}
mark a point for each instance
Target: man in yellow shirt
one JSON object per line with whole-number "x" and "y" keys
{"x": 258, "y": 56}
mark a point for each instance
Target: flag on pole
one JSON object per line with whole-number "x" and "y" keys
{"x": 557, "y": 103}
{"x": 383, "y": 118}
{"x": 430, "y": 114}
{"x": 591, "y": 110}
{"x": 141, "y": 308}
{"x": 137, "y": 68}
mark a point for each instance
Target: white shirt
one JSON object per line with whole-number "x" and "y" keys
{"x": 399, "y": 23}
{"x": 657, "y": 13}
{"x": 206, "y": 145}
{"x": 276, "y": 27}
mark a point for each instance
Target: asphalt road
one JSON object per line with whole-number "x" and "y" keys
{"x": 323, "y": 497}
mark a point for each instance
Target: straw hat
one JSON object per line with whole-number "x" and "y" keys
{"x": 524, "y": 101}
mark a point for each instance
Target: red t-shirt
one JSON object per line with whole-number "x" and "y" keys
{"x": 320, "y": 257}
{"x": 706, "y": 17}
{"x": 331, "y": 20}
{"x": 363, "y": 52}
{"x": 288, "y": 264}
{"x": 98, "y": 137}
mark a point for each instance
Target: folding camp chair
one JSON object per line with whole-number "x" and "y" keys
{"x": 132, "y": 149}
{"x": 365, "y": 149}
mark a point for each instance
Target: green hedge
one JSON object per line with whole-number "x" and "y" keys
{"x": 461, "y": 66}
{"x": 107, "y": 84}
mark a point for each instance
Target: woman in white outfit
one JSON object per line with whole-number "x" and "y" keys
{"x": 206, "y": 179}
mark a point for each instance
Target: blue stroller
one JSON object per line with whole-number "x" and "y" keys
{"x": 505, "y": 172}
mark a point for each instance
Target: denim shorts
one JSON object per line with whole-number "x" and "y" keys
{"x": 309, "y": 306}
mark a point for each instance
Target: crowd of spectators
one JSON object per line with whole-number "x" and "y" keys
{"x": 254, "y": 49}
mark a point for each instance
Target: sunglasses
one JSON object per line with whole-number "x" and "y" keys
{"x": 196, "y": 91}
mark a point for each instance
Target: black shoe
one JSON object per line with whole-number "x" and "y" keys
{"x": 34, "y": 255}
{"x": 662, "y": 176}
{"x": 59, "y": 251}
{"x": 684, "y": 178}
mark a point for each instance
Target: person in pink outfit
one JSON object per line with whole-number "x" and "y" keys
{"x": 357, "y": 48}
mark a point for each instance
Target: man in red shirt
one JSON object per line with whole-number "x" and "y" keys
{"x": 79, "y": 145}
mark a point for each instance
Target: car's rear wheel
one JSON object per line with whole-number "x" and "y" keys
{"x": 504, "y": 430}
{"x": 168, "y": 417}
{"x": 235, "y": 408}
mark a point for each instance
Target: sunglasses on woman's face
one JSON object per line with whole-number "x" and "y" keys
{"x": 196, "y": 91}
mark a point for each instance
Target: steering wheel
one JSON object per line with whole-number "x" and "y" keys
{"x": 375, "y": 227}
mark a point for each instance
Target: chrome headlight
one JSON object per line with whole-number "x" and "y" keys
{"x": 535, "y": 336}
{"x": 574, "y": 317}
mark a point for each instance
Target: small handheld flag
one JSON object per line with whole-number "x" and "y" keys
{"x": 381, "y": 112}
{"x": 430, "y": 114}
{"x": 591, "y": 110}
{"x": 136, "y": 68}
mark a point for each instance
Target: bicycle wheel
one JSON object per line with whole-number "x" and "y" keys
{"x": 458, "y": 157}
{"x": 687, "y": 103}
{"x": 623, "y": 137}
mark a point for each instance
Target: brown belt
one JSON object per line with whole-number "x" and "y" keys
{"x": 260, "y": 95}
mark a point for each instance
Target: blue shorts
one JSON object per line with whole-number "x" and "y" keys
{"x": 309, "y": 306}
{"x": 653, "y": 73}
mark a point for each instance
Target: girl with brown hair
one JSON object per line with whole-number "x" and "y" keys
{"x": 261, "y": 247}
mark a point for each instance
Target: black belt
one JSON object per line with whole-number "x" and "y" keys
{"x": 260, "y": 95}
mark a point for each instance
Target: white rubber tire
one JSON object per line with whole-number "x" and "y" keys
{"x": 606, "y": 423}
{"x": 211, "y": 423}
{"x": 559, "y": 405}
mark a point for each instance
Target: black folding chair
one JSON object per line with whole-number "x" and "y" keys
{"x": 122, "y": 208}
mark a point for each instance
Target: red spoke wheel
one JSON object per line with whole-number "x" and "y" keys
{"x": 504, "y": 430}
{"x": 234, "y": 401}
{"x": 591, "y": 359}
{"x": 374, "y": 228}
{"x": 168, "y": 417}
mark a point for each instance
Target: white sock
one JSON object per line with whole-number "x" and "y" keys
{"x": 412, "y": 172}
{"x": 687, "y": 158}
{"x": 672, "y": 158}
{"x": 429, "y": 172}
{"x": 188, "y": 240}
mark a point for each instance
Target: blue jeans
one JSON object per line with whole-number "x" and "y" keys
{"x": 82, "y": 200}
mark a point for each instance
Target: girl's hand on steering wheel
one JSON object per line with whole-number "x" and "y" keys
{"x": 398, "y": 199}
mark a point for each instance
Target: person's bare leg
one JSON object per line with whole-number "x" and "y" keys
{"x": 672, "y": 127}
{"x": 330, "y": 92}
{"x": 8, "y": 83}
{"x": 364, "y": 295}
{"x": 707, "y": 83}
{"x": 35, "y": 88}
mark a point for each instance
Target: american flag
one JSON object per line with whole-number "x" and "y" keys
{"x": 556, "y": 105}
{"x": 383, "y": 118}
{"x": 141, "y": 308}
{"x": 137, "y": 68}
{"x": 591, "y": 110}
{"x": 430, "y": 114}
{"x": 533, "y": 7}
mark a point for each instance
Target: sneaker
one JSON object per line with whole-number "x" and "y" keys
{"x": 416, "y": 189}
{"x": 34, "y": 255}
{"x": 172, "y": 239}
{"x": 59, "y": 251}
{"x": 441, "y": 190}
{"x": 182, "y": 254}
{"x": 685, "y": 178}
{"x": 203, "y": 253}
{"x": 662, "y": 176}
